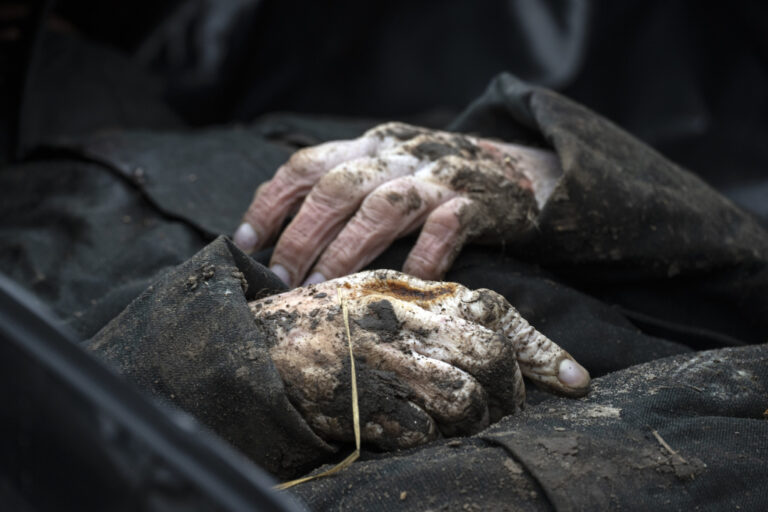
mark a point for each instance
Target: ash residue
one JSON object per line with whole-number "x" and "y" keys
{"x": 383, "y": 399}
{"x": 501, "y": 207}
{"x": 433, "y": 149}
{"x": 283, "y": 319}
{"x": 241, "y": 278}
{"x": 399, "y": 131}
{"x": 201, "y": 275}
{"x": 412, "y": 200}
{"x": 381, "y": 320}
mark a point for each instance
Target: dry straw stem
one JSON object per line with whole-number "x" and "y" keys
{"x": 355, "y": 411}
{"x": 663, "y": 443}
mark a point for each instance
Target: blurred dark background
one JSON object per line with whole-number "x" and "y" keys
{"x": 688, "y": 77}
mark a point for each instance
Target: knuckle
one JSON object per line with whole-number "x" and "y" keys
{"x": 339, "y": 184}
{"x": 395, "y": 129}
{"x": 438, "y": 145}
{"x": 395, "y": 199}
{"x": 377, "y": 208}
{"x": 302, "y": 163}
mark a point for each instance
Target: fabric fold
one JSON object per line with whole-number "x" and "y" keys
{"x": 190, "y": 339}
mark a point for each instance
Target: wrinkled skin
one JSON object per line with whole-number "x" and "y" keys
{"x": 355, "y": 197}
{"x": 431, "y": 357}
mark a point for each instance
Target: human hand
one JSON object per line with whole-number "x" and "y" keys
{"x": 355, "y": 197}
{"x": 430, "y": 357}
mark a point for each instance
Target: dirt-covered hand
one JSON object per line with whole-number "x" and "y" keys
{"x": 431, "y": 357}
{"x": 355, "y": 197}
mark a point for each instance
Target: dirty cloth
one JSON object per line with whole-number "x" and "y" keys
{"x": 638, "y": 269}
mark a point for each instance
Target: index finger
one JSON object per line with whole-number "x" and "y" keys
{"x": 275, "y": 199}
{"x": 540, "y": 359}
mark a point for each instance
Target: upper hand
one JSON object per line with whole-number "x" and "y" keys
{"x": 355, "y": 197}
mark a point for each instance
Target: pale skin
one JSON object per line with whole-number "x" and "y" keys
{"x": 354, "y": 197}
{"x": 432, "y": 358}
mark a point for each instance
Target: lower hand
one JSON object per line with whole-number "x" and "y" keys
{"x": 431, "y": 357}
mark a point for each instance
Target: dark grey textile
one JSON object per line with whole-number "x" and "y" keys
{"x": 596, "y": 453}
{"x": 79, "y": 237}
{"x": 629, "y": 240}
{"x": 203, "y": 177}
{"x": 623, "y": 213}
{"x": 191, "y": 339}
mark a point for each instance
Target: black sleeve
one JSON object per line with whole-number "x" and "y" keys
{"x": 190, "y": 338}
{"x": 628, "y": 225}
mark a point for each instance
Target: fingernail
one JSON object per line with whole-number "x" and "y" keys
{"x": 245, "y": 237}
{"x": 314, "y": 278}
{"x": 572, "y": 374}
{"x": 280, "y": 272}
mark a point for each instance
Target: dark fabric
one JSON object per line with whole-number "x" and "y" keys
{"x": 190, "y": 338}
{"x": 70, "y": 230}
{"x": 204, "y": 177}
{"x": 75, "y": 87}
{"x": 688, "y": 77}
{"x": 601, "y": 452}
{"x": 84, "y": 240}
{"x": 88, "y": 238}
{"x": 596, "y": 453}
{"x": 623, "y": 214}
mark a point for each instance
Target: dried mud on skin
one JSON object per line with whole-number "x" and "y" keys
{"x": 503, "y": 207}
{"x": 397, "y": 387}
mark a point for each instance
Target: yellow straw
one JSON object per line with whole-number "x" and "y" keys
{"x": 355, "y": 411}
